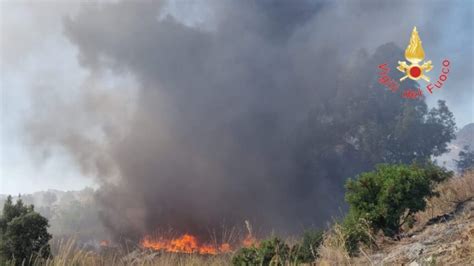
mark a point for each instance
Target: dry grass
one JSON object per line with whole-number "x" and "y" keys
{"x": 456, "y": 190}
{"x": 135, "y": 258}
{"x": 332, "y": 251}
{"x": 69, "y": 254}
{"x": 452, "y": 192}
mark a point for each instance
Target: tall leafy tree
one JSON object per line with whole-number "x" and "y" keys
{"x": 23, "y": 236}
{"x": 362, "y": 124}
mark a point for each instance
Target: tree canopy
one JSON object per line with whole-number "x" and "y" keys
{"x": 23, "y": 233}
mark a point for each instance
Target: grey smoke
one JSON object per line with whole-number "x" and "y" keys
{"x": 214, "y": 134}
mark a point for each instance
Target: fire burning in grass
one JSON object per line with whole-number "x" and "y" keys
{"x": 249, "y": 241}
{"x": 104, "y": 243}
{"x": 184, "y": 244}
{"x": 188, "y": 243}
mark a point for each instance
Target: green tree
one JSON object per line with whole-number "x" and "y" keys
{"x": 23, "y": 236}
{"x": 389, "y": 196}
{"x": 466, "y": 160}
{"x": 350, "y": 138}
{"x": 404, "y": 133}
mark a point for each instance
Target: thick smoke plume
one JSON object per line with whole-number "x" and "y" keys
{"x": 245, "y": 115}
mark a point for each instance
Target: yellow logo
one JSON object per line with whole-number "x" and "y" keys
{"x": 415, "y": 54}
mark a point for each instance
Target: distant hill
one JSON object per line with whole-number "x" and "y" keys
{"x": 464, "y": 137}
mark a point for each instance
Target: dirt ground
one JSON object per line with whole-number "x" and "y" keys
{"x": 444, "y": 240}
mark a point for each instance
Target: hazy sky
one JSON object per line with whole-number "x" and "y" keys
{"x": 38, "y": 60}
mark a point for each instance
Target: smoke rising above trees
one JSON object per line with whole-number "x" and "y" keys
{"x": 262, "y": 116}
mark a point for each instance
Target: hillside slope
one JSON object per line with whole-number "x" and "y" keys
{"x": 464, "y": 137}
{"x": 447, "y": 240}
{"x": 442, "y": 235}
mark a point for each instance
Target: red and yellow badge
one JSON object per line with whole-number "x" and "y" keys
{"x": 415, "y": 55}
{"x": 415, "y": 70}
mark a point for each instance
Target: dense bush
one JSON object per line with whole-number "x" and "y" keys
{"x": 273, "y": 252}
{"x": 307, "y": 250}
{"x": 23, "y": 234}
{"x": 268, "y": 252}
{"x": 246, "y": 256}
{"x": 388, "y": 197}
{"x": 276, "y": 252}
{"x": 356, "y": 231}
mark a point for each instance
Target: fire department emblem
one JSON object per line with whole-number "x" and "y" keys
{"x": 415, "y": 55}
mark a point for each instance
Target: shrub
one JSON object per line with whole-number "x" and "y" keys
{"x": 389, "y": 196}
{"x": 246, "y": 256}
{"x": 269, "y": 252}
{"x": 355, "y": 231}
{"x": 307, "y": 251}
{"x": 275, "y": 252}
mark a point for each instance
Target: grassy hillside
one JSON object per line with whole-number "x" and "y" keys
{"x": 442, "y": 234}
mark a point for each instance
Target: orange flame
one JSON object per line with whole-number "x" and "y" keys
{"x": 249, "y": 241}
{"x": 184, "y": 244}
{"x": 104, "y": 243}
